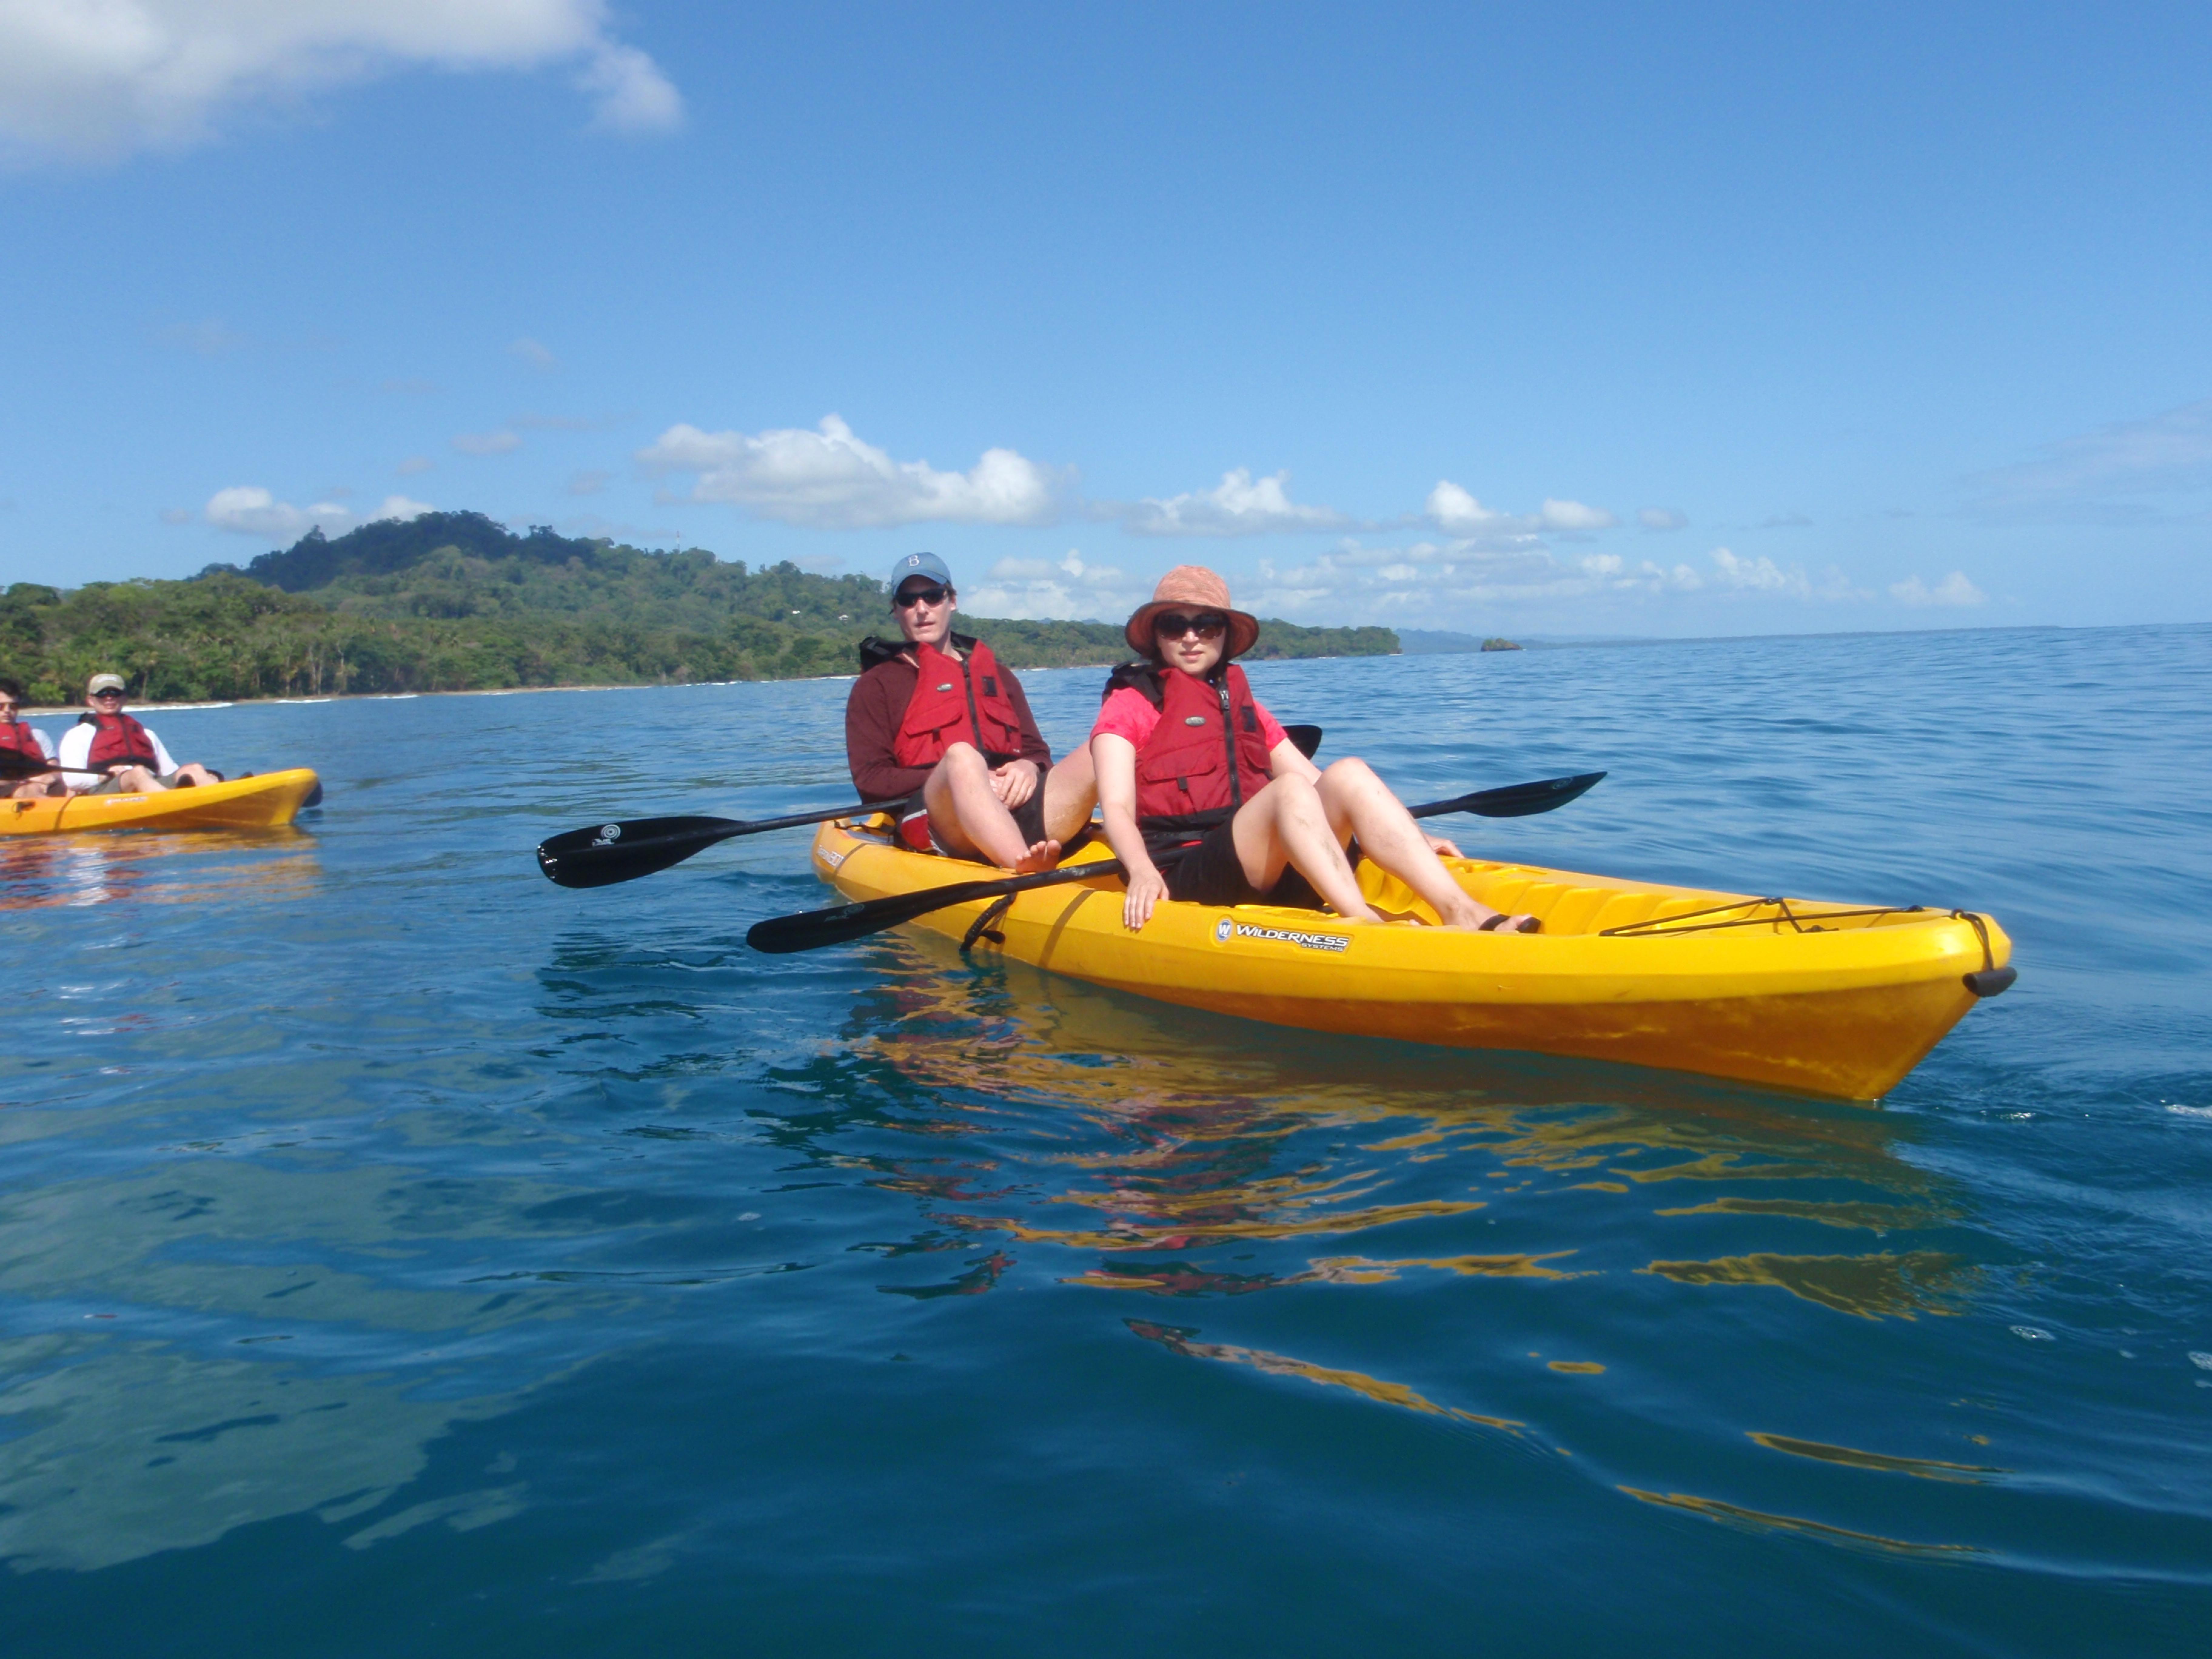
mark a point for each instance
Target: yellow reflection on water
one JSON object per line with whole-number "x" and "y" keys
{"x": 1896, "y": 1286}
{"x": 1732, "y": 1515}
{"x": 1179, "y": 1340}
{"x": 1180, "y": 1279}
{"x": 156, "y": 868}
{"x": 1874, "y": 1218}
{"x": 1184, "y": 1132}
{"x": 1925, "y": 1468}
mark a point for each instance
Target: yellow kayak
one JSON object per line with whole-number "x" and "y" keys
{"x": 1832, "y": 1000}
{"x": 267, "y": 802}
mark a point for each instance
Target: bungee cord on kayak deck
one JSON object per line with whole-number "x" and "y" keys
{"x": 1987, "y": 981}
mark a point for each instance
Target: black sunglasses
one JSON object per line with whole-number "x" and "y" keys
{"x": 1173, "y": 625}
{"x": 915, "y": 596}
{"x": 108, "y": 692}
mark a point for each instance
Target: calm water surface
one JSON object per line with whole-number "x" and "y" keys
{"x": 399, "y": 1254}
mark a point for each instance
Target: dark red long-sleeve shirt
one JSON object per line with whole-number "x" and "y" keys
{"x": 876, "y": 708}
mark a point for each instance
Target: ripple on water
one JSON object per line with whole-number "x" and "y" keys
{"x": 390, "y": 1245}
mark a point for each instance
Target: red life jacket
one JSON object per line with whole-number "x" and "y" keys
{"x": 1205, "y": 758}
{"x": 954, "y": 701}
{"x": 23, "y": 740}
{"x": 120, "y": 741}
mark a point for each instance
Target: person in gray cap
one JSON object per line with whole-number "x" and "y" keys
{"x": 937, "y": 720}
{"x": 110, "y": 741}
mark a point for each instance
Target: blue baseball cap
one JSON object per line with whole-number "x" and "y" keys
{"x": 910, "y": 565}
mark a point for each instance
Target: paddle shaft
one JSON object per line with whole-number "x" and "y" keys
{"x": 731, "y": 828}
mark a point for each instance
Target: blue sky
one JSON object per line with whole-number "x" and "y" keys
{"x": 1598, "y": 320}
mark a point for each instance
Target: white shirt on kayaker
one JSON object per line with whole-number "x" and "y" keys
{"x": 76, "y": 749}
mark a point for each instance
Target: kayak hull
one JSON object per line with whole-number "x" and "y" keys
{"x": 267, "y": 802}
{"x": 1838, "y": 1001}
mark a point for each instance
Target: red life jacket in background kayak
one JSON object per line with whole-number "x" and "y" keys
{"x": 23, "y": 740}
{"x": 120, "y": 741}
{"x": 1205, "y": 758}
{"x": 957, "y": 699}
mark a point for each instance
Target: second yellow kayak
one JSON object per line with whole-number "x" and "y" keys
{"x": 1833, "y": 999}
{"x": 267, "y": 802}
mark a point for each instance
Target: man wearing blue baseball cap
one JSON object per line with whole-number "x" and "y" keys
{"x": 936, "y": 718}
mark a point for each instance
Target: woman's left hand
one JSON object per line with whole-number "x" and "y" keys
{"x": 1443, "y": 848}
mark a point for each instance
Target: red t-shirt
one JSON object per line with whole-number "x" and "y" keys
{"x": 1129, "y": 714}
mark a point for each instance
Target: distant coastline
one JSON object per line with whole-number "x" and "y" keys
{"x": 451, "y": 602}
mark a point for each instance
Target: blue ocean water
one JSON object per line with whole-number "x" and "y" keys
{"x": 399, "y": 1254}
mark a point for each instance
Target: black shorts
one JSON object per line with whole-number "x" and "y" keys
{"x": 1029, "y": 818}
{"x": 1210, "y": 873}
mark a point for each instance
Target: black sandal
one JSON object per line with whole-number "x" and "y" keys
{"x": 1495, "y": 923}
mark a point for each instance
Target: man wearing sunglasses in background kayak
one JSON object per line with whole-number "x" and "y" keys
{"x": 109, "y": 741}
{"x": 934, "y": 714}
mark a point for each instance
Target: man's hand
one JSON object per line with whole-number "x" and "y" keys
{"x": 1443, "y": 848}
{"x": 1014, "y": 783}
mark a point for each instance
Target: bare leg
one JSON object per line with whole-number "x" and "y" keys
{"x": 1360, "y": 804}
{"x": 192, "y": 772}
{"x": 1285, "y": 823}
{"x": 138, "y": 780}
{"x": 1071, "y": 790}
{"x": 966, "y": 814}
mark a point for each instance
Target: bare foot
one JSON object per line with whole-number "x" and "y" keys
{"x": 1044, "y": 855}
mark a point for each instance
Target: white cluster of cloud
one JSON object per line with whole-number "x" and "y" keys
{"x": 95, "y": 80}
{"x": 1658, "y": 518}
{"x": 1953, "y": 589}
{"x": 1239, "y": 504}
{"x": 1453, "y": 510}
{"x": 501, "y": 442}
{"x": 828, "y": 479}
{"x": 1354, "y": 580}
{"x": 1067, "y": 586}
{"x": 250, "y": 510}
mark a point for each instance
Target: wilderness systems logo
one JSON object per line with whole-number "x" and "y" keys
{"x": 1228, "y": 928}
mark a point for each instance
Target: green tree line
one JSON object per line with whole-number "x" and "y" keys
{"x": 456, "y": 602}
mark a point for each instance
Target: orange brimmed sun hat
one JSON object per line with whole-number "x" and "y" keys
{"x": 1192, "y": 588}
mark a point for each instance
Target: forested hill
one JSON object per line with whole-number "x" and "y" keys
{"x": 455, "y": 602}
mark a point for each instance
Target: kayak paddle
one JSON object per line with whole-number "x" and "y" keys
{"x": 811, "y": 929}
{"x": 15, "y": 766}
{"x": 605, "y": 853}
{"x": 1514, "y": 801}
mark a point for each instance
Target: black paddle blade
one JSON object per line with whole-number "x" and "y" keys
{"x": 608, "y": 852}
{"x": 812, "y": 929}
{"x": 1304, "y": 739}
{"x": 1515, "y": 800}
